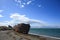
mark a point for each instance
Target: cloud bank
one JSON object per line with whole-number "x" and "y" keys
{"x": 18, "y": 18}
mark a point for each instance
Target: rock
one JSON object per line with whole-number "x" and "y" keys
{"x": 3, "y": 28}
{"x": 22, "y": 28}
{"x": 10, "y": 27}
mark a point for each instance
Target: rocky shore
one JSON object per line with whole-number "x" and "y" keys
{"x": 21, "y": 32}
{"x": 11, "y": 35}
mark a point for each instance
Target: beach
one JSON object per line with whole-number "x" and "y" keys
{"x": 12, "y": 35}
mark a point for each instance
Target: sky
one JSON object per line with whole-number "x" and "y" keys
{"x": 38, "y": 13}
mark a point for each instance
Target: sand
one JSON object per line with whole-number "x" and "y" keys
{"x": 11, "y": 35}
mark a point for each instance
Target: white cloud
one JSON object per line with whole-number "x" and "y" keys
{"x": 1, "y": 15}
{"x": 23, "y": 3}
{"x": 19, "y": 2}
{"x": 40, "y": 22}
{"x": 3, "y": 23}
{"x": 1, "y": 11}
{"x": 17, "y": 18}
{"x": 22, "y": 6}
{"x": 29, "y": 2}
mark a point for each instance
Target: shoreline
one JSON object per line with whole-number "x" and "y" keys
{"x": 45, "y": 36}
{"x": 12, "y": 35}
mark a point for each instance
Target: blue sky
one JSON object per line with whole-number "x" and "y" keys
{"x": 44, "y": 11}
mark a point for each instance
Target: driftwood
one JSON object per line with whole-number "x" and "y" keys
{"x": 22, "y": 28}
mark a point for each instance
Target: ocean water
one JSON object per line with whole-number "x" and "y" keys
{"x": 54, "y": 32}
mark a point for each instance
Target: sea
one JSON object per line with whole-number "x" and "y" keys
{"x": 54, "y": 32}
